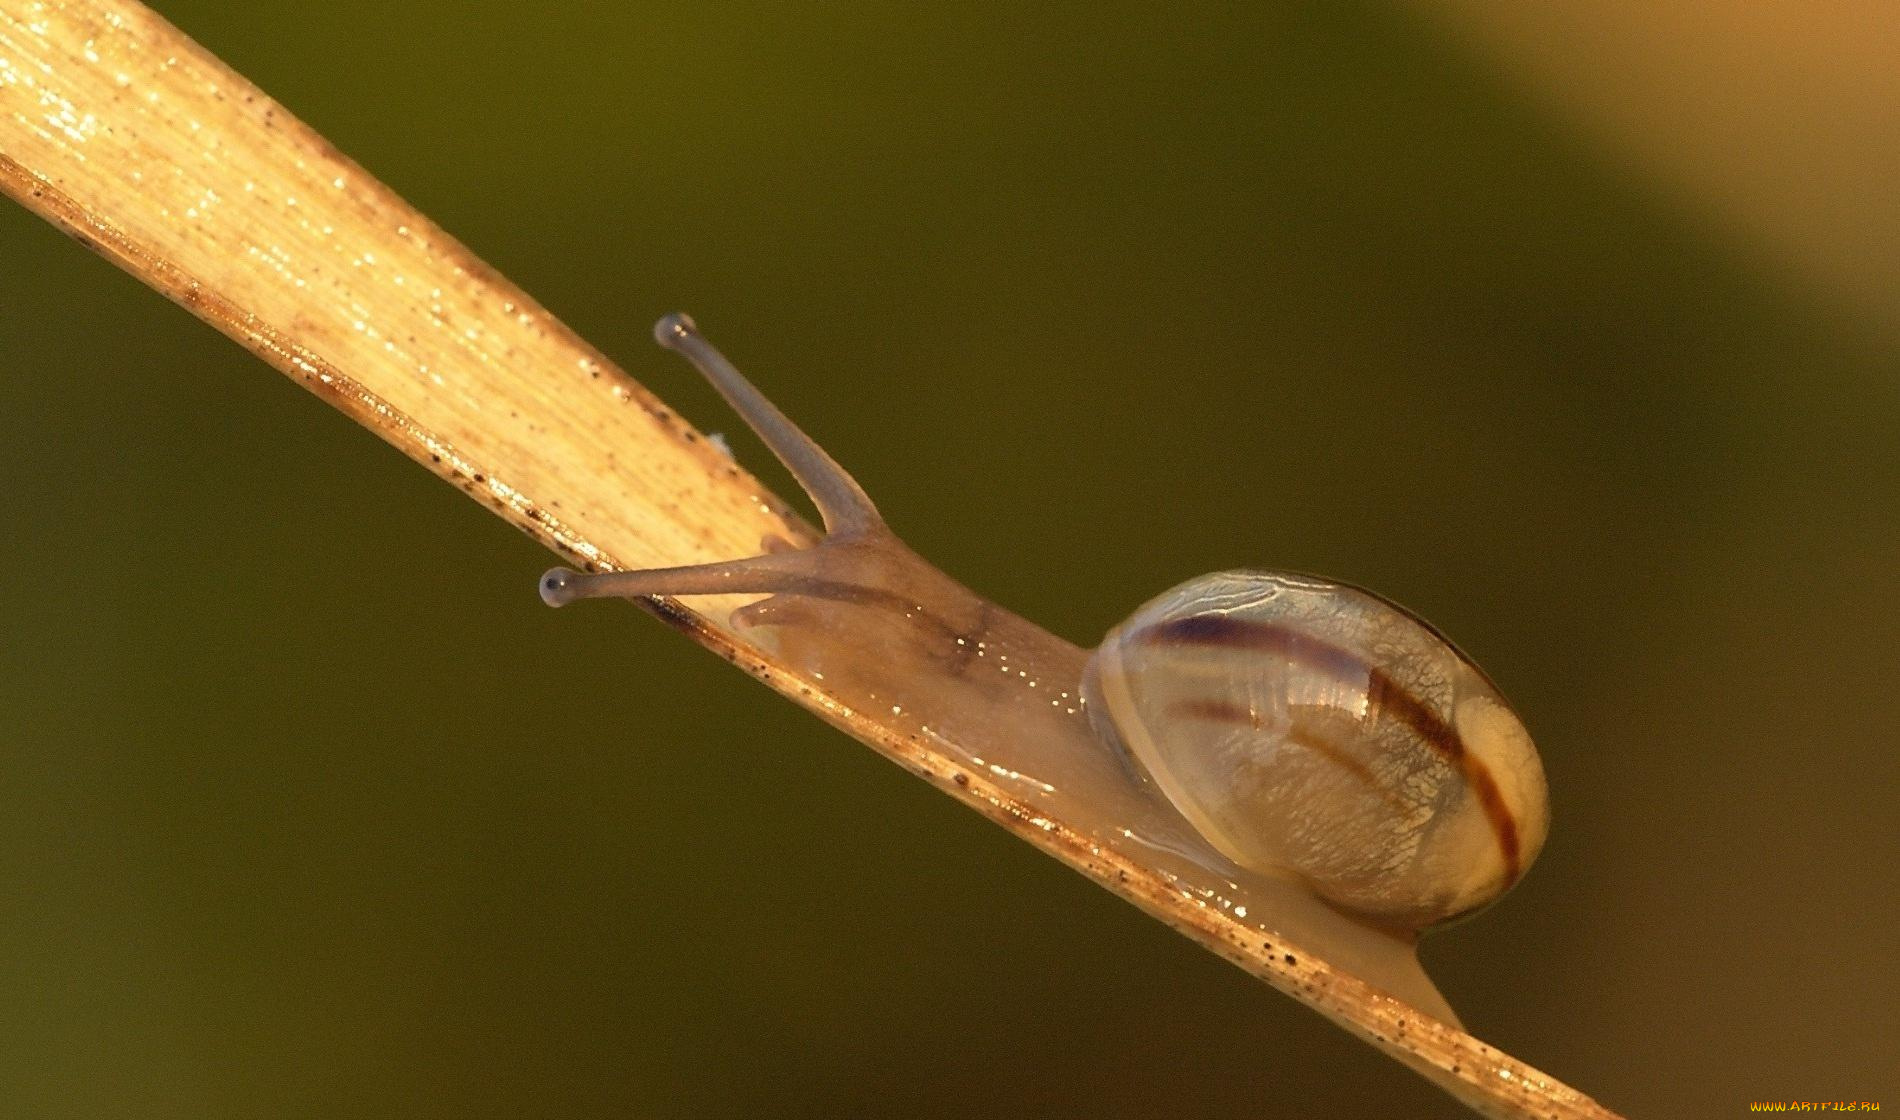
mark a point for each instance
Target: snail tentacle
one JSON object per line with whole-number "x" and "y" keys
{"x": 843, "y": 504}
{"x": 773, "y": 572}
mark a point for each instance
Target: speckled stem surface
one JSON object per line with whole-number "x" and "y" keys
{"x": 120, "y": 130}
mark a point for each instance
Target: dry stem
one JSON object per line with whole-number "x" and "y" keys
{"x": 123, "y": 132}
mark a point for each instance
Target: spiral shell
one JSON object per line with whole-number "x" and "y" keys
{"x": 1312, "y": 729}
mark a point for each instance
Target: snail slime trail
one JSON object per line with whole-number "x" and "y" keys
{"x": 1302, "y": 755}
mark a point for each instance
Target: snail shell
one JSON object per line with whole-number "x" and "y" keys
{"x": 1315, "y": 730}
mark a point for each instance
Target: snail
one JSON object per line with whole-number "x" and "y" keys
{"x": 1305, "y": 754}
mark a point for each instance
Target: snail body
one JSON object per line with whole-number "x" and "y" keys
{"x": 1303, "y": 754}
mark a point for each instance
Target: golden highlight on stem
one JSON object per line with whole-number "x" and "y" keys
{"x": 120, "y": 130}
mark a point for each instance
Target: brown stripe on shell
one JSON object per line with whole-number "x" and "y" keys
{"x": 1225, "y": 711}
{"x": 1219, "y": 711}
{"x": 1383, "y": 694}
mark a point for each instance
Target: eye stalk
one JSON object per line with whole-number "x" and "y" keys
{"x": 843, "y": 504}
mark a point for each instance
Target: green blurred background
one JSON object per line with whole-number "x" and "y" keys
{"x": 1092, "y": 299}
